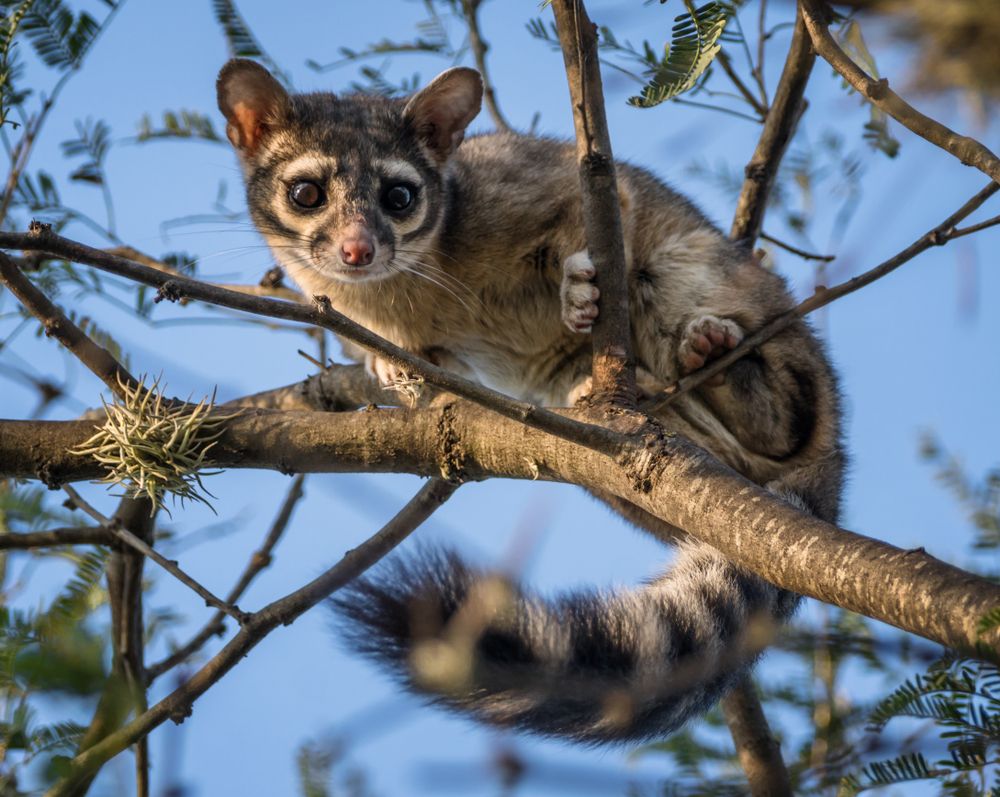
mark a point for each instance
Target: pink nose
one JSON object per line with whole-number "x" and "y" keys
{"x": 357, "y": 251}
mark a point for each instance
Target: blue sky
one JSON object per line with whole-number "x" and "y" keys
{"x": 916, "y": 351}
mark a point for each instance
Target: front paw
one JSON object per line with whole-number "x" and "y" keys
{"x": 392, "y": 377}
{"x": 578, "y": 294}
{"x": 706, "y": 338}
{"x": 581, "y": 390}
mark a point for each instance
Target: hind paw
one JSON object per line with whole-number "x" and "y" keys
{"x": 706, "y": 338}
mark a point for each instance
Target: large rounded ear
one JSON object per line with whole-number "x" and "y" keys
{"x": 253, "y": 102}
{"x": 440, "y": 112}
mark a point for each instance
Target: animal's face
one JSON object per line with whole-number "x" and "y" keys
{"x": 351, "y": 188}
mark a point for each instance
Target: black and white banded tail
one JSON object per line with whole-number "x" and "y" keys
{"x": 588, "y": 666}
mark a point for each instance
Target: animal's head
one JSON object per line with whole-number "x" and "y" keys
{"x": 350, "y": 187}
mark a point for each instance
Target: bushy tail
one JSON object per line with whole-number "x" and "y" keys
{"x": 587, "y": 666}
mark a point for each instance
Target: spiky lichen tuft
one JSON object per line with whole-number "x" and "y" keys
{"x": 153, "y": 446}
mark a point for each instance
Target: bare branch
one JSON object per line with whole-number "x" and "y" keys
{"x": 968, "y": 150}
{"x": 983, "y": 225}
{"x": 470, "y": 10}
{"x": 142, "y": 547}
{"x": 727, "y": 66}
{"x": 260, "y": 559}
{"x": 779, "y": 126}
{"x": 758, "y": 751}
{"x": 72, "y": 535}
{"x": 57, "y": 325}
{"x": 614, "y": 365}
{"x": 177, "y": 705}
{"x": 795, "y": 250}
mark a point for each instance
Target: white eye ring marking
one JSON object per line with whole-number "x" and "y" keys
{"x": 398, "y": 170}
{"x": 312, "y": 166}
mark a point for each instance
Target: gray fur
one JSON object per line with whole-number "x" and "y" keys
{"x": 472, "y": 278}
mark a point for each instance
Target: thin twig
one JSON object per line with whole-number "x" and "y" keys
{"x": 614, "y": 365}
{"x": 470, "y": 10}
{"x": 968, "y": 150}
{"x": 58, "y": 325}
{"x": 278, "y": 291}
{"x": 709, "y": 107}
{"x": 170, "y": 566}
{"x": 260, "y": 559}
{"x": 72, "y": 535}
{"x": 758, "y": 68}
{"x": 321, "y": 314}
{"x": 958, "y": 233}
{"x": 727, "y": 66}
{"x": 779, "y": 126}
{"x": 795, "y": 250}
{"x": 258, "y": 625}
{"x": 941, "y": 234}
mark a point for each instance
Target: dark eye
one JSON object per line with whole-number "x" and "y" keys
{"x": 306, "y": 194}
{"x": 398, "y": 197}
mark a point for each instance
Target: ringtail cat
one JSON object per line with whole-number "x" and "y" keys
{"x": 470, "y": 252}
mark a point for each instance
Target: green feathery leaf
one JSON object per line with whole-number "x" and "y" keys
{"x": 695, "y": 41}
{"x": 179, "y": 124}
{"x": 60, "y": 39}
{"x": 241, "y": 40}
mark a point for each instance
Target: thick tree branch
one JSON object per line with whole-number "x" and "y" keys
{"x": 779, "y": 126}
{"x": 664, "y": 475}
{"x": 320, "y": 315}
{"x": 614, "y": 365}
{"x": 260, "y": 560}
{"x": 969, "y": 151}
{"x": 944, "y": 232}
{"x": 177, "y": 705}
{"x": 334, "y": 389}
